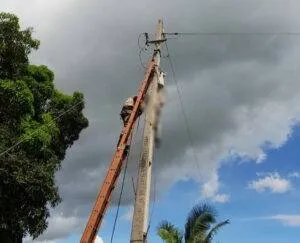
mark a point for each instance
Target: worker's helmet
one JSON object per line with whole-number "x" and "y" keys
{"x": 129, "y": 102}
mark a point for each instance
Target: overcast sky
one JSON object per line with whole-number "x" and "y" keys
{"x": 240, "y": 92}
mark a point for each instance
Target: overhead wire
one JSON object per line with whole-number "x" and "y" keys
{"x": 153, "y": 207}
{"x": 123, "y": 183}
{"x": 133, "y": 187}
{"x": 235, "y": 33}
{"x": 144, "y": 48}
{"x": 177, "y": 34}
{"x": 140, "y": 155}
{"x": 141, "y": 49}
{"x": 141, "y": 61}
{"x": 182, "y": 105}
{"x": 47, "y": 124}
{"x": 132, "y": 179}
{"x": 120, "y": 198}
{"x": 139, "y": 43}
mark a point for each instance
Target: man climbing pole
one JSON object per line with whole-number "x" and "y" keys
{"x": 125, "y": 115}
{"x": 127, "y": 109}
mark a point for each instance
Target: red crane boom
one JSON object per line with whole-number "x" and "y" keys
{"x": 115, "y": 167}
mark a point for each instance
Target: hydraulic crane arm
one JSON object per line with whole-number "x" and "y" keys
{"x": 114, "y": 170}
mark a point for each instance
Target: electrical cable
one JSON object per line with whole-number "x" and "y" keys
{"x": 135, "y": 189}
{"x": 51, "y": 122}
{"x": 123, "y": 183}
{"x": 121, "y": 193}
{"x": 153, "y": 207}
{"x": 140, "y": 155}
{"x": 234, "y": 33}
{"x": 142, "y": 49}
{"x": 181, "y": 105}
{"x": 141, "y": 61}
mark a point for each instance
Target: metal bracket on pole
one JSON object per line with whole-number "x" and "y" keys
{"x": 155, "y": 41}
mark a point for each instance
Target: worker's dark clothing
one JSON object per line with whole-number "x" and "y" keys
{"x": 125, "y": 115}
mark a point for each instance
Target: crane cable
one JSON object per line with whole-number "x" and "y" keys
{"x": 122, "y": 185}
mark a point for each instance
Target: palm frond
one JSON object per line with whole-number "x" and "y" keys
{"x": 215, "y": 230}
{"x": 201, "y": 226}
{"x": 169, "y": 233}
{"x": 200, "y": 217}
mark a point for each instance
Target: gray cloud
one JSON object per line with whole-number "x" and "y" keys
{"x": 239, "y": 92}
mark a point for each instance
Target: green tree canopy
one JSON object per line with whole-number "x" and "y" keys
{"x": 38, "y": 124}
{"x": 15, "y": 46}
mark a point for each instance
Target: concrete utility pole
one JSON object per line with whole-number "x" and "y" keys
{"x": 141, "y": 207}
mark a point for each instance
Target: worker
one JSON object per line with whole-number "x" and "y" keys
{"x": 128, "y": 107}
{"x": 126, "y": 112}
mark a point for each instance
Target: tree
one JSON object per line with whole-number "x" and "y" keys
{"x": 38, "y": 124}
{"x": 169, "y": 232}
{"x": 200, "y": 227}
{"x": 15, "y": 46}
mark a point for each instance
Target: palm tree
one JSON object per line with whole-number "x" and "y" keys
{"x": 200, "y": 227}
{"x": 169, "y": 233}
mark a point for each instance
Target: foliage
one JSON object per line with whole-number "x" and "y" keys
{"x": 39, "y": 123}
{"x": 169, "y": 233}
{"x": 15, "y": 46}
{"x": 200, "y": 227}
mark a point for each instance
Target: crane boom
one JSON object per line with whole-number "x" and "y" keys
{"x": 114, "y": 170}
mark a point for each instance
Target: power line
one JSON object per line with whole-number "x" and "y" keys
{"x": 122, "y": 185}
{"x": 132, "y": 179}
{"x": 49, "y": 123}
{"x": 141, "y": 61}
{"x": 235, "y": 33}
{"x": 181, "y": 105}
{"x": 120, "y": 196}
{"x": 139, "y": 43}
{"x": 153, "y": 206}
{"x": 142, "y": 48}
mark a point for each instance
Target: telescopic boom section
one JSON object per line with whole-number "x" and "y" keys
{"x": 114, "y": 170}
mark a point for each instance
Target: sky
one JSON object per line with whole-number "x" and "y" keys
{"x": 240, "y": 94}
